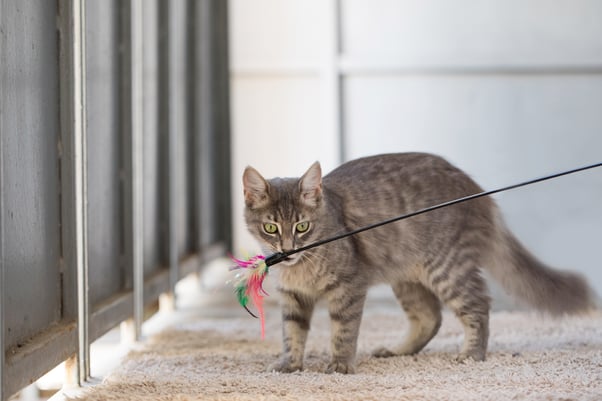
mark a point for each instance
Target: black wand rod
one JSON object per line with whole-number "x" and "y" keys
{"x": 280, "y": 256}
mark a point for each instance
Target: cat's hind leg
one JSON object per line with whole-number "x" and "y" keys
{"x": 423, "y": 311}
{"x": 465, "y": 293}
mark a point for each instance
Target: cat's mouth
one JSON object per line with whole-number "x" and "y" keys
{"x": 291, "y": 260}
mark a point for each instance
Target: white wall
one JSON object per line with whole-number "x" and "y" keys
{"x": 508, "y": 90}
{"x": 282, "y": 115}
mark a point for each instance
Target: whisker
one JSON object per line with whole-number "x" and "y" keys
{"x": 316, "y": 255}
{"x": 311, "y": 258}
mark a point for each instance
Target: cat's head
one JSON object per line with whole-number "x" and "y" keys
{"x": 284, "y": 213}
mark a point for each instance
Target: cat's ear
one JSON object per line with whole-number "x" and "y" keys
{"x": 310, "y": 185}
{"x": 255, "y": 188}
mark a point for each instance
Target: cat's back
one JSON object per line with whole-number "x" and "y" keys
{"x": 387, "y": 163}
{"x": 408, "y": 172}
{"x": 376, "y": 188}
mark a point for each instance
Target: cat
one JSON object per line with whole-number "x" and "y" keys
{"x": 430, "y": 260}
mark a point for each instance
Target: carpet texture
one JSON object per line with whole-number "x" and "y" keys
{"x": 531, "y": 357}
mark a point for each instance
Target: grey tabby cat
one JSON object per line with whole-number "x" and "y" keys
{"x": 429, "y": 260}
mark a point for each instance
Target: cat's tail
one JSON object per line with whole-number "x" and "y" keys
{"x": 522, "y": 275}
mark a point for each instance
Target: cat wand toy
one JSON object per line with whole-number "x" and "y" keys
{"x": 249, "y": 286}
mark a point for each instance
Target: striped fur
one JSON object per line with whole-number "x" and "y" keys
{"x": 430, "y": 260}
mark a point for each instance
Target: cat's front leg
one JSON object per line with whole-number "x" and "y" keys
{"x": 345, "y": 307}
{"x": 297, "y": 310}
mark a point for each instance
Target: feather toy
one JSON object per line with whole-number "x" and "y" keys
{"x": 248, "y": 285}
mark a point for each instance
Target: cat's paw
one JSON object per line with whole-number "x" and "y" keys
{"x": 475, "y": 355}
{"x": 285, "y": 365}
{"x": 383, "y": 352}
{"x": 340, "y": 367}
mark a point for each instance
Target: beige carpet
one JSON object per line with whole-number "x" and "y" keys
{"x": 530, "y": 357}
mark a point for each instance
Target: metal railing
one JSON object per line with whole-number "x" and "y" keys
{"x": 114, "y": 165}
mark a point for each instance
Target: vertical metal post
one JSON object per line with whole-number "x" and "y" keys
{"x": 169, "y": 150}
{"x": 163, "y": 128}
{"x": 172, "y": 159}
{"x": 220, "y": 99}
{"x": 137, "y": 148}
{"x": 132, "y": 95}
{"x": 80, "y": 184}
{"x": 203, "y": 128}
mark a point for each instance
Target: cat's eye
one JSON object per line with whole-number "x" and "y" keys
{"x": 270, "y": 228}
{"x": 302, "y": 227}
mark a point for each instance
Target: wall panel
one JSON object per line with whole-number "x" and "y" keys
{"x": 29, "y": 126}
{"x": 276, "y": 34}
{"x": 387, "y": 33}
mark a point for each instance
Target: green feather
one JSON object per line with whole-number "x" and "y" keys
{"x": 241, "y": 294}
